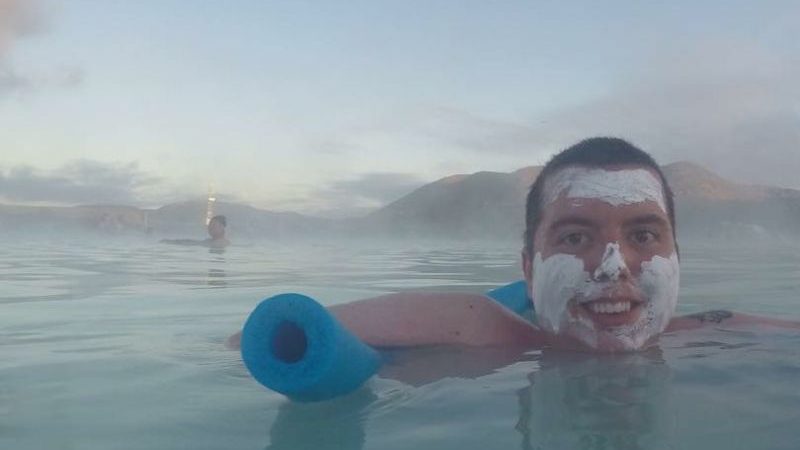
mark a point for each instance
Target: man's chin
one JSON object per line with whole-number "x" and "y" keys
{"x": 609, "y": 332}
{"x": 607, "y": 341}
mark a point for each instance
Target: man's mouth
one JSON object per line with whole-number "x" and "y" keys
{"x": 612, "y": 312}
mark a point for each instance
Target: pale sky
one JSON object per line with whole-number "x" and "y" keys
{"x": 334, "y": 106}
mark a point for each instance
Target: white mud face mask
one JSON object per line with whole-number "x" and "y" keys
{"x": 561, "y": 284}
{"x": 615, "y": 187}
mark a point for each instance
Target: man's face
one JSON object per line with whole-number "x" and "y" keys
{"x": 215, "y": 229}
{"x": 604, "y": 269}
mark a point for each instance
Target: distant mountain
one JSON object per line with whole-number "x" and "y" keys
{"x": 491, "y": 205}
{"x": 483, "y": 205}
{"x": 691, "y": 181}
{"x": 106, "y": 218}
{"x": 709, "y": 206}
{"x": 184, "y": 219}
{"x": 243, "y": 220}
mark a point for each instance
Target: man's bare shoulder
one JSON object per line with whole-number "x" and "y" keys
{"x": 726, "y": 318}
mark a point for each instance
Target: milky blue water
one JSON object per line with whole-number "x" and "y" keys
{"x": 118, "y": 344}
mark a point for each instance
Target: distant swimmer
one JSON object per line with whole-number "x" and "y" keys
{"x": 216, "y": 231}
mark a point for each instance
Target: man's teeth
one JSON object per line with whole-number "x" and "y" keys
{"x": 610, "y": 307}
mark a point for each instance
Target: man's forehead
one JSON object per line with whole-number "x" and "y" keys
{"x": 615, "y": 186}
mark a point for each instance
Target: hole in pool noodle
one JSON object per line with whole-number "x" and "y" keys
{"x": 289, "y": 342}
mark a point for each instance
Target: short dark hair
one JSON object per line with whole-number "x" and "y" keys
{"x": 221, "y": 219}
{"x": 592, "y": 152}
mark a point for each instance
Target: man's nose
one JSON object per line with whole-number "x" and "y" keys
{"x": 612, "y": 265}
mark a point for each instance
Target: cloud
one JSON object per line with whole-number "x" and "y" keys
{"x": 378, "y": 187}
{"x": 19, "y": 19}
{"x": 732, "y": 107}
{"x": 78, "y": 182}
{"x": 472, "y": 132}
{"x": 63, "y": 77}
{"x": 11, "y": 81}
{"x": 363, "y": 193}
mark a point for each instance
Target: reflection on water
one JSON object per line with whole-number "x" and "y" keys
{"x": 664, "y": 398}
{"x": 216, "y": 275}
{"x": 578, "y": 401}
{"x": 570, "y": 401}
{"x": 337, "y": 424}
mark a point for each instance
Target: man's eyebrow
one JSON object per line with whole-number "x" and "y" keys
{"x": 647, "y": 219}
{"x": 572, "y": 220}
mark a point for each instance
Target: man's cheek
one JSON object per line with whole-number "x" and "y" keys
{"x": 660, "y": 281}
{"x": 556, "y": 281}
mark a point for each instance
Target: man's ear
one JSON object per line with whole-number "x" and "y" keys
{"x": 527, "y": 271}
{"x": 527, "y": 265}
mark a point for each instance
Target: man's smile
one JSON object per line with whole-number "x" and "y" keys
{"x": 609, "y": 312}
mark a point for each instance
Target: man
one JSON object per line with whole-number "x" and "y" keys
{"x": 600, "y": 257}
{"x": 216, "y": 232}
{"x": 600, "y": 261}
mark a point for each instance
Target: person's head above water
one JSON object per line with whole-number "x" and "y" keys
{"x": 216, "y": 227}
{"x": 600, "y": 255}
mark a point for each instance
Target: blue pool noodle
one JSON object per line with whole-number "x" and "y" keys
{"x": 293, "y": 345}
{"x": 513, "y": 296}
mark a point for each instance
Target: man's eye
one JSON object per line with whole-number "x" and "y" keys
{"x": 644, "y": 236}
{"x": 574, "y": 239}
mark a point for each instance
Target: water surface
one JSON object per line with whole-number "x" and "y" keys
{"x": 118, "y": 343}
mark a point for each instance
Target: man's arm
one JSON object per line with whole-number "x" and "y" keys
{"x": 416, "y": 319}
{"x": 410, "y": 319}
{"x": 719, "y": 318}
